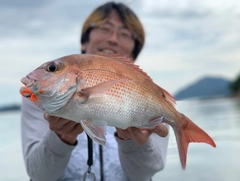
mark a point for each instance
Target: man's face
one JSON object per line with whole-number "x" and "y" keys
{"x": 111, "y": 37}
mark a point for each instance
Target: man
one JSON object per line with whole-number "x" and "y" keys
{"x": 57, "y": 149}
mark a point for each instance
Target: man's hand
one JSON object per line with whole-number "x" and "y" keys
{"x": 66, "y": 129}
{"x": 140, "y": 136}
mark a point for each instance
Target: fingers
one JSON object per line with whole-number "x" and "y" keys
{"x": 66, "y": 129}
{"x": 136, "y": 134}
{"x": 50, "y": 118}
{"x": 124, "y": 134}
{"x": 59, "y": 124}
{"x": 70, "y": 132}
{"x": 139, "y": 136}
{"x": 161, "y": 130}
{"x": 70, "y": 127}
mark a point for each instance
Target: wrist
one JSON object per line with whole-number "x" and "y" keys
{"x": 119, "y": 136}
{"x": 55, "y": 145}
{"x": 70, "y": 140}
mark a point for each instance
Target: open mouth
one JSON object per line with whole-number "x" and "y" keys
{"x": 29, "y": 94}
{"x": 26, "y": 92}
{"x": 106, "y": 50}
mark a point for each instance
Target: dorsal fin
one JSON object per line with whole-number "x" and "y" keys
{"x": 130, "y": 62}
{"x": 125, "y": 60}
{"x": 168, "y": 96}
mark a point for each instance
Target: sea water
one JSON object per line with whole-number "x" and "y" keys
{"x": 220, "y": 118}
{"x": 11, "y": 160}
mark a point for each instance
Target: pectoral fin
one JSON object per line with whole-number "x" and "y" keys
{"x": 96, "y": 130}
{"x": 100, "y": 89}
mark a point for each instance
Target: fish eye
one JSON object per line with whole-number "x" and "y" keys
{"x": 52, "y": 67}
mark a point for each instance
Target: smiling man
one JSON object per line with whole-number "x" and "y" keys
{"x": 56, "y": 149}
{"x": 111, "y": 36}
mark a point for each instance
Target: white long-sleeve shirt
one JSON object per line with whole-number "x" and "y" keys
{"x": 48, "y": 158}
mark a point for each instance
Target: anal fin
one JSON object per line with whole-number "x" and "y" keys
{"x": 153, "y": 123}
{"x": 96, "y": 130}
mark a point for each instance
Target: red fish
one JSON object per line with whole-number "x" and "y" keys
{"x": 109, "y": 90}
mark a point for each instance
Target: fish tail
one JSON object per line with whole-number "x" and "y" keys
{"x": 186, "y": 133}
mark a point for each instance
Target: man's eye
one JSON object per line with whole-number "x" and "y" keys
{"x": 106, "y": 29}
{"x": 126, "y": 35}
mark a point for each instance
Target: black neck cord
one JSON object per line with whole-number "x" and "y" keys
{"x": 90, "y": 152}
{"x": 90, "y": 157}
{"x": 101, "y": 162}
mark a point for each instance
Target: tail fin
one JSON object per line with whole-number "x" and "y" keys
{"x": 189, "y": 132}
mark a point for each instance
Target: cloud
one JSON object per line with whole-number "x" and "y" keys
{"x": 188, "y": 9}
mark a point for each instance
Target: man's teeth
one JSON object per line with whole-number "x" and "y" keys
{"x": 108, "y": 51}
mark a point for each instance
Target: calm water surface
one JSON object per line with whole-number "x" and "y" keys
{"x": 220, "y": 118}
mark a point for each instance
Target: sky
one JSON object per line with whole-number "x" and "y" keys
{"x": 185, "y": 39}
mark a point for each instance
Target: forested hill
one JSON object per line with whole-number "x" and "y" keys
{"x": 206, "y": 87}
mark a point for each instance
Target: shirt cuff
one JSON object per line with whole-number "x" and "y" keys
{"x": 56, "y": 145}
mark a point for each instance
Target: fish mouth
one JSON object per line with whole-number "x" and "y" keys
{"x": 27, "y": 90}
{"x": 27, "y": 81}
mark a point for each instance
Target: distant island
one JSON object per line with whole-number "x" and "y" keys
{"x": 13, "y": 107}
{"x": 206, "y": 87}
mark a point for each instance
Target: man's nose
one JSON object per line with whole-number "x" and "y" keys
{"x": 114, "y": 37}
